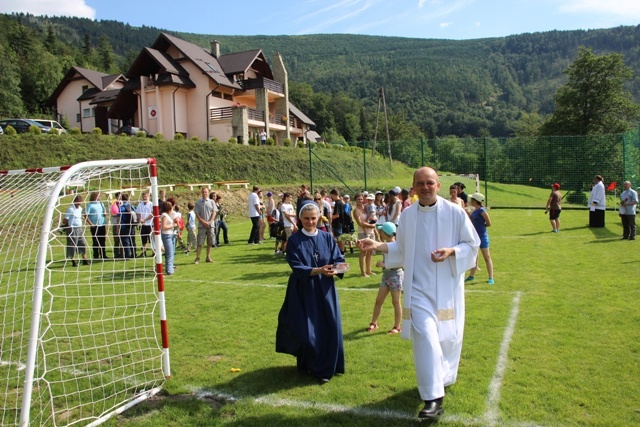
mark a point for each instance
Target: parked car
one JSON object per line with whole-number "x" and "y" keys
{"x": 22, "y": 125}
{"x": 52, "y": 124}
{"x": 132, "y": 131}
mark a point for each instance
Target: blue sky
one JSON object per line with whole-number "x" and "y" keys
{"x": 442, "y": 19}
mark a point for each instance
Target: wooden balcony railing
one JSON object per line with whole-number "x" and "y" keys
{"x": 262, "y": 82}
{"x": 226, "y": 113}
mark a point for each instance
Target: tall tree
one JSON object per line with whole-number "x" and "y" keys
{"x": 106, "y": 56}
{"x": 594, "y": 100}
{"x": 10, "y": 100}
{"x": 50, "y": 41}
{"x": 86, "y": 47}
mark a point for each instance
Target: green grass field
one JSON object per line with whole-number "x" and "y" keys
{"x": 554, "y": 342}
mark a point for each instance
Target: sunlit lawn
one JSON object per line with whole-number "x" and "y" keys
{"x": 573, "y": 358}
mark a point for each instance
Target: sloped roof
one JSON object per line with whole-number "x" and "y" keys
{"x": 162, "y": 66}
{"x": 299, "y": 114}
{"x": 312, "y": 135}
{"x": 93, "y": 77}
{"x": 202, "y": 59}
{"x": 105, "y": 96}
{"x": 107, "y": 80}
{"x": 240, "y": 62}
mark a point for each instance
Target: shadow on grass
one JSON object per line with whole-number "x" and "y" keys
{"x": 258, "y": 404}
{"x": 396, "y": 410}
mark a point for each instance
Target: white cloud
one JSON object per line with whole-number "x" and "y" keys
{"x": 438, "y": 8}
{"x": 625, "y": 8}
{"x": 49, "y": 7}
{"x": 445, "y": 24}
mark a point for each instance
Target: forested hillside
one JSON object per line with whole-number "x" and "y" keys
{"x": 432, "y": 87}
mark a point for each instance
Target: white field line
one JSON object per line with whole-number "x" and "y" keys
{"x": 492, "y": 415}
{"x": 272, "y": 400}
{"x": 272, "y": 285}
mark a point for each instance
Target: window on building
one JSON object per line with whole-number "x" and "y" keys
{"x": 93, "y": 112}
{"x": 216, "y": 94}
{"x": 86, "y": 113}
{"x": 78, "y": 117}
{"x": 228, "y": 96}
{"x": 212, "y": 67}
{"x": 85, "y": 88}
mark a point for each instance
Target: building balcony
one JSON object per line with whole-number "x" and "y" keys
{"x": 255, "y": 116}
{"x": 262, "y": 83}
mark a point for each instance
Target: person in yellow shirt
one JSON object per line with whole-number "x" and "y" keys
{"x": 412, "y": 195}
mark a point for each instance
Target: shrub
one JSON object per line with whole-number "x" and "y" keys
{"x": 65, "y": 123}
{"x": 35, "y": 130}
{"x": 270, "y": 141}
{"x": 10, "y": 130}
{"x": 577, "y": 198}
{"x": 300, "y": 144}
{"x": 159, "y": 137}
{"x": 75, "y": 131}
{"x": 96, "y": 131}
{"x": 214, "y": 139}
{"x": 232, "y": 140}
{"x": 255, "y": 141}
{"x": 286, "y": 142}
{"x": 195, "y": 138}
{"x": 178, "y": 136}
{"x": 141, "y": 134}
{"x": 314, "y": 145}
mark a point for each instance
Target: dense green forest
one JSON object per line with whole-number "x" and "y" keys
{"x": 432, "y": 87}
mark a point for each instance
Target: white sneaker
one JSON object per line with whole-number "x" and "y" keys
{"x": 277, "y": 253}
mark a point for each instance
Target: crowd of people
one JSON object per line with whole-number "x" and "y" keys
{"x": 205, "y": 222}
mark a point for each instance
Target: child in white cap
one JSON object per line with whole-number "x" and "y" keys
{"x": 391, "y": 282}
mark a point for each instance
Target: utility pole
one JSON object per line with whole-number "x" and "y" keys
{"x": 382, "y": 103}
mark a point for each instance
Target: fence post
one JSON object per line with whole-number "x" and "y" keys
{"x": 310, "y": 168}
{"x": 486, "y": 173}
{"x": 364, "y": 158}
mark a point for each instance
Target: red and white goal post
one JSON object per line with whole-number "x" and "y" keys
{"x": 80, "y": 342}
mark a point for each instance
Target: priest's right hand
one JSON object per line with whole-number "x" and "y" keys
{"x": 367, "y": 244}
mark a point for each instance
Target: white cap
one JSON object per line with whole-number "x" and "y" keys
{"x": 397, "y": 190}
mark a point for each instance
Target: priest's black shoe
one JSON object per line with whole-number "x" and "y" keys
{"x": 432, "y": 409}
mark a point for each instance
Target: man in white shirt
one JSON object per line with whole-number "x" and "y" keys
{"x": 628, "y": 203}
{"x": 206, "y": 211}
{"x": 436, "y": 243}
{"x": 254, "y": 214}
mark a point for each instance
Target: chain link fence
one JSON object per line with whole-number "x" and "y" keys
{"x": 572, "y": 161}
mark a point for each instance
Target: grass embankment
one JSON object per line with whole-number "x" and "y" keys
{"x": 196, "y": 161}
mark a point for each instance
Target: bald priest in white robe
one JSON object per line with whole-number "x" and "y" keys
{"x": 436, "y": 243}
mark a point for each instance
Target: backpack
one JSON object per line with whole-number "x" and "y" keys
{"x": 115, "y": 209}
{"x": 180, "y": 223}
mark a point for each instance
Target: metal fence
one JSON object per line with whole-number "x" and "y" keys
{"x": 572, "y": 161}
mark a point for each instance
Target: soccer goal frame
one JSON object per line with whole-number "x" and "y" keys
{"x": 83, "y": 339}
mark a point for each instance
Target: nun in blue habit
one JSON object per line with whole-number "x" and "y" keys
{"x": 309, "y": 323}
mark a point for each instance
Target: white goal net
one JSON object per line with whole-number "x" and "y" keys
{"x": 83, "y": 329}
